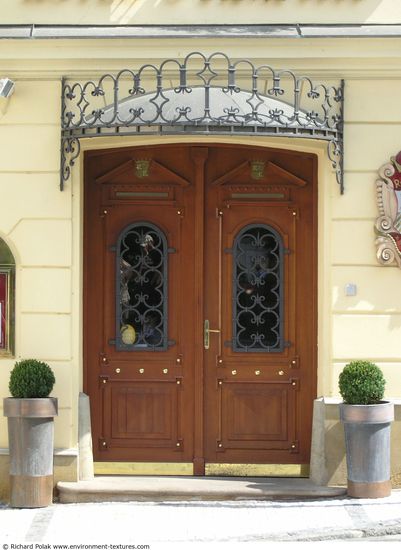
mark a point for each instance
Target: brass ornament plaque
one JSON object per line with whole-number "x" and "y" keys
{"x": 257, "y": 169}
{"x": 142, "y": 168}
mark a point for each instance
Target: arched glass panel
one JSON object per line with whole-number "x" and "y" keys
{"x": 258, "y": 290}
{"x": 7, "y": 274}
{"x": 141, "y": 304}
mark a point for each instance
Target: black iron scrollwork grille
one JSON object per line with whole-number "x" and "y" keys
{"x": 202, "y": 94}
{"x": 258, "y": 290}
{"x": 141, "y": 293}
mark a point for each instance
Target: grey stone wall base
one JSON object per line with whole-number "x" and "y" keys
{"x": 86, "y": 471}
{"x": 327, "y": 464}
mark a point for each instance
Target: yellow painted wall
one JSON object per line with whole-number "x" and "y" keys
{"x": 174, "y": 12}
{"x": 36, "y": 223}
{"x": 369, "y": 324}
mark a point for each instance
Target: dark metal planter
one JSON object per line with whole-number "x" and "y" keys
{"x": 367, "y": 442}
{"x": 31, "y": 442}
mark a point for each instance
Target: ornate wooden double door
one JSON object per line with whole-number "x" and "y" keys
{"x": 200, "y": 306}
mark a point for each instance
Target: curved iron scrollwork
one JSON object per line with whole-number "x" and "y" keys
{"x": 141, "y": 289}
{"x": 258, "y": 290}
{"x": 70, "y": 149}
{"x": 205, "y": 95}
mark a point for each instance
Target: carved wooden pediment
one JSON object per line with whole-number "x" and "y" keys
{"x": 142, "y": 171}
{"x": 388, "y": 224}
{"x": 261, "y": 172}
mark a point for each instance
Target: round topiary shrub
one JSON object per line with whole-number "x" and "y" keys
{"x": 361, "y": 383}
{"x": 31, "y": 378}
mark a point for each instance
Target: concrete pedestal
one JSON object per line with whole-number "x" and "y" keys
{"x": 31, "y": 437}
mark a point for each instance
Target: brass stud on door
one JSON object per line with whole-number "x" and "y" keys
{"x": 280, "y": 372}
{"x": 257, "y": 372}
{"x": 165, "y": 371}
{"x": 233, "y": 372}
{"x": 118, "y": 371}
{"x": 141, "y": 371}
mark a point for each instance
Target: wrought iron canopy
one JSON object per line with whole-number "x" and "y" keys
{"x": 206, "y": 95}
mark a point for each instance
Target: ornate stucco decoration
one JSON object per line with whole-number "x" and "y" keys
{"x": 388, "y": 224}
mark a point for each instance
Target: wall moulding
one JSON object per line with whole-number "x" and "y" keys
{"x": 388, "y": 224}
{"x": 202, "y": 95}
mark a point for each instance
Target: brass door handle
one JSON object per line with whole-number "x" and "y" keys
{"x": 206, "y": 334}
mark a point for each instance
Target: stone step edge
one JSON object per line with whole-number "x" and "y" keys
{"x": 70, "y": 492}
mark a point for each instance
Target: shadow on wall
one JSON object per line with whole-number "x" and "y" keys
{"x": 4, "y": 478}
{"x": 124, "y": 12}
{"x": 335, "y": 453}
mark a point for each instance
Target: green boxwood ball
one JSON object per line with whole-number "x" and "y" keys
{"x": 31, "y": 378}
{"x": 361, "y": 383}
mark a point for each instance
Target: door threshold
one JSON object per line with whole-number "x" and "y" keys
{"x": 257, "y": 470}
{"x": 211, "y": 469}
{"x": 144, "y": 468}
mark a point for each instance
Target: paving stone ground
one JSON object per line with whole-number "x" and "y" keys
{"x": 205, "y": 523}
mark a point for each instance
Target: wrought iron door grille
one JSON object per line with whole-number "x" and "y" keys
{"x": 258, "y": 290}
{"x": 141, "y": 289}
{"x": 202, "y": 95}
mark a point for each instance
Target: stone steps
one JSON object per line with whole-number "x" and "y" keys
{"x": 159, "y": 488}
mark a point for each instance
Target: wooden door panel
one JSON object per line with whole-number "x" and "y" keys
{"x": 256, "y": 416}
{"x": 256, "y": 412}
{"x": 145, "y": 411}
{"x": 144, "y": 420}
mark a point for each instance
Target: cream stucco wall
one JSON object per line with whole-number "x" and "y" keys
{"x": 174, "y": 12}
{"x": 369, "y": 324}
{"x": 36, "y": 223}
{"x": 43, "y": 226}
